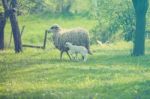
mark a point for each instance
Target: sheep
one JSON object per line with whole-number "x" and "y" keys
{"x": 74, "y": 49}
{"x": 77, "y": 36}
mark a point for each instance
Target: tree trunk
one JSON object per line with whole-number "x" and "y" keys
{"x": 139, "y": 42}
{"x": 141, "y": 7}
{"x": 14, "y": 24}
{"x": 2, "y": 26}
{"x": 16, "y": 32}
{"x": 66, "y": 8}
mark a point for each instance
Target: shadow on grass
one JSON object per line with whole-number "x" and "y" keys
{"x": 120, "y": 60}
{"x": 133, "y": 90}
{"x": 105, "y": 62}
{"x": 37, "y": 66}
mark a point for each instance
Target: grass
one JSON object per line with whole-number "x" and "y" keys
{"x": 110, "y": 73}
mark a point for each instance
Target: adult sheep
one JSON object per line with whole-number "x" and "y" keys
{"x": 77, "y": 36}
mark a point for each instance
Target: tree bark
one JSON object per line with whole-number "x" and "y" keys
{"x": 140, "y": 7}
{"x": 10, "y": 11}
{"x": 2, "y": 26}
{"x": 16, "y": 32}
{"x": 139, "y": 42}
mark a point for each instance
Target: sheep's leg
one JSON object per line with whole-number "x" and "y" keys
{"x": 73, "y": 56}
{"x": 82, "y": 57}
{"x": 68, "y": 55}
{"x": 85, "y": 58}
{"x": 61, "y": 53}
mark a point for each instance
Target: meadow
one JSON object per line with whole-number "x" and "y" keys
{"x": 110, "y": 73}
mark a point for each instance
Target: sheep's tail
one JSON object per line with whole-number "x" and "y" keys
{"x": 89, "y": 52}
{"x": 88, "y": 48}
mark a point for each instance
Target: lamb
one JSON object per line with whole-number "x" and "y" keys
{"x": 77, "y": 36}
{"x": 74, "y": 49}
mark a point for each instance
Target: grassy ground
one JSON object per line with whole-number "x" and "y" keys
{"x": 110, "y": 73}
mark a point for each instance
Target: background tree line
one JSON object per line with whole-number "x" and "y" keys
{"x": 118, "y": 16}
{"x": 53, "y": 6}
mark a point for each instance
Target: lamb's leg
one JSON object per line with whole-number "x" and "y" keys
{"x": 82, "y": 57}
{"x": 76, "y": 57}
{"x": 68, "y": 55}
{"x": 61, "y": 53}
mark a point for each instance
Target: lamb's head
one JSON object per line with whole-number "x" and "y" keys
{"x": 54, "y": 28}
{"x": 68, "y": 44}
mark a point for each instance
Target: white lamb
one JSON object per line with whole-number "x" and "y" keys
{"x": 74, "y": 49}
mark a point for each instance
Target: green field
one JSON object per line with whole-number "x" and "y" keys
{"x": 36, "y": 25}
{"x": 110, "y": 73}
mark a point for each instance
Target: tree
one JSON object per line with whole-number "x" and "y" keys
{"x": 64, "y": 6}
{"x": 141, "y": 7}
{"x": 10, "y": 12}
{"x": 2, "y": 25}
{"x": 114, "y": 22}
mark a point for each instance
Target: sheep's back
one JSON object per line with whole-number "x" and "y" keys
{"x": 77, "y": 36}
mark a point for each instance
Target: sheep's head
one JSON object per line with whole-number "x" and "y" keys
{"x": 54, "y": 28}
{"x": 68, "y": 44}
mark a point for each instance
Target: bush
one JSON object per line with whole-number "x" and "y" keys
{"x": 121, "y": 21}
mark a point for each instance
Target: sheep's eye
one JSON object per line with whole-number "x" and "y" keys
{"x": 56, "y": 27}
{"x": 52, "y": 27}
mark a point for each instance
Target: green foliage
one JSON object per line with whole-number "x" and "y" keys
{"x": 1, "y": 8}
{"x": 114, "y": 19}
{"x": 54, "y": 6}
{"x": 30, "y": 6}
